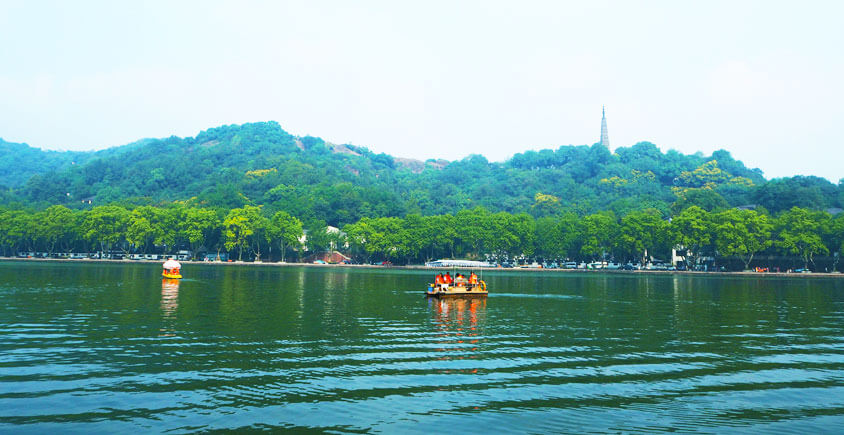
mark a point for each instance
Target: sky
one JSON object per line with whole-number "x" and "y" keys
{"x": 435, "y": 79}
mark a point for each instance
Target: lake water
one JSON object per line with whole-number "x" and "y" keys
{"x": 112, "y": 348}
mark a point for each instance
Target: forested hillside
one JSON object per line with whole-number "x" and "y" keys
{"x": 19, "y": 162}
{"x": 261, "y": 164}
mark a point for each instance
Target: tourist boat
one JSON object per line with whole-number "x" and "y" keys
{"x": 458, "y": 289}
{"x": 172, "y": 269}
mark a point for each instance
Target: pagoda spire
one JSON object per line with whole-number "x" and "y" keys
{"x": 605, "y": 137}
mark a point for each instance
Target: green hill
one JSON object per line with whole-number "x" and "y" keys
{"x": 261, "y": 164}
{"x": 19, "y": 162}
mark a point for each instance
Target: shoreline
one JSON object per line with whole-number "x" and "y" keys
{"x": 422, "y": 267}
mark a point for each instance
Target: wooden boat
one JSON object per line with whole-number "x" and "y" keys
{"x": 468, "y": 291}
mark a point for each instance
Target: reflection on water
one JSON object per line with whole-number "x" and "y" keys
{"x": 459, "y": 325}
{"x": 169, "y": 302}
{"x": 169, "y": 297}
{"x": 455, "y": 314}
{"x": 103, "y": 348}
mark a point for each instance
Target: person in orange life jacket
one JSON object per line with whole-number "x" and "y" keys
{"x": 460, "y": 280}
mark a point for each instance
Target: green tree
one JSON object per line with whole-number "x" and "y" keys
{"x": 240, "y": 227}
{"x": 444, "y": 230}
{"x": 742, "y": 233}
{"x": 317, "y": 238}
{"x": 417, "y": 236}
{"x": 152, "y": 226}
{"x": 557, "y": 236}
{"x": 387, "y": 237}
{"x": 57, "y": 224}
{"x": 105, "y": 225}
{"x": 707, "y": 174}
{"x": 836, "y": 238}
{"x": 509, "y": 234}
{"x": 800, "y": 232}
{"x": 377, "y": 237}
{"x": 139, "y": 230}
{"x": 597, "y": 232}
{"x": 196, "y": 225}
{"x": 15, "y": 228}
{"x": 545, "y": 205}
{"x": 641, "y": 232}
{"x": 704, "y": 198}
{"x": 167, "y": 227}
{"x": 692, "y": 229}
{"x": 360, "y": 233}
{"x": 474, "y": 229}
{"x": 285, "y": 230}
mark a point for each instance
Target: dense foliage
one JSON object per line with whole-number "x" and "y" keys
{"x": 254, "y": 188}
{"x": 471, "y": 233}
{"x": 19, "y": 162}
{"x": 260, "y": 164}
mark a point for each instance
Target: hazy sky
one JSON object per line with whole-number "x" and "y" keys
{"x": 432, "y": 79}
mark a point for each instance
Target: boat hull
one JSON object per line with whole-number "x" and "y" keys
{"x": 461, "y": 294}
{"x": 456, "y": 292}
{"x": 171, "y": 275}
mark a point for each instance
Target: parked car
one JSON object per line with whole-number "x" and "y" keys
{"x": 319, "y": 262}
{"x": 802, "y": 271}
{"x": 570, "y": 265}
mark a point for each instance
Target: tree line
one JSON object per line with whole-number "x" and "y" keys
{"x": 476, "y": 233}
{"x": 148, "y": 229}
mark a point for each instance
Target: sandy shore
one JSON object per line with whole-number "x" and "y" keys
{"x": 421, "y": 267}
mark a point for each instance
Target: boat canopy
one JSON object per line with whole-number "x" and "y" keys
{"x": 458, "y": 263}
{"x": 172, "y": 264}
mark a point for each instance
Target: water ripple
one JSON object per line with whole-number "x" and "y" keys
{"x": 303, "y": 349}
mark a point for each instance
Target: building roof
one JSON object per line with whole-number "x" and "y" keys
{"x": 747, "y": 207}
{"x": 458, "y": 263}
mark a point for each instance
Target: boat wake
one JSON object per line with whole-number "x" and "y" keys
{"x": 534, "y": 296}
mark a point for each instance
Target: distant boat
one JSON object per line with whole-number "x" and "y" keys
{"x": 172, "y": 269}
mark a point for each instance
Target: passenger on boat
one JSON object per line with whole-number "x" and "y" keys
{"x": 461, "y": 280}
{"x": 448, "y": 279}
{"x": 438, "y": 280}
{"x": 473, "y": 279}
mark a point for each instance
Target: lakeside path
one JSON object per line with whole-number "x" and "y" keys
{"x": 421, "y": 267}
